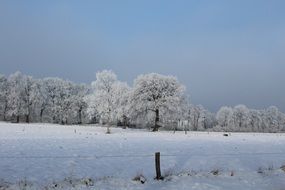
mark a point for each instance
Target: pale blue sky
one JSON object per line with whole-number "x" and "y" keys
{"x": 226, "y": 52}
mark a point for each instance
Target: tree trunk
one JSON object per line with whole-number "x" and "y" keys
{"x": 196, "y": 124}
{"x": 27, "y": 118}
{"x": 124, "y": 122}
{"x": 4, "y": 113}
{"x": 80, "y": 116}
{"x": 156, "y": 125}
{"x": 174, "y": 126}
{"x": 41, "y": 115}
{"x": 108, "y": 129}
{"x": 18, "y": 119}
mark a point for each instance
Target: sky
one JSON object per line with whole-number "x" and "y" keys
{"x": 226, "y": 52}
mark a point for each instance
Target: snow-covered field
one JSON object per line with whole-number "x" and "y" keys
{"x": 44, "y": 156}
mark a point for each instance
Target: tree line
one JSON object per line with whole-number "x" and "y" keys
{"x": 153, "y": 101}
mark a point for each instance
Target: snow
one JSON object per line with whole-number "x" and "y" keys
{"x": 69, "y": 157}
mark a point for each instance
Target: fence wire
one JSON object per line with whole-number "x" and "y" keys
{"x": 144, "y": 155}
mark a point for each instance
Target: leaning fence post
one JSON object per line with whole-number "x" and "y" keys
{"x": 157, "y": 166}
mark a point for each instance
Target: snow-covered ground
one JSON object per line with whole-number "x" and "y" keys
{"x": 38, "y": 156}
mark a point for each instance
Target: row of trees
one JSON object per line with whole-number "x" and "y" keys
{"x": 241, "y": 118}
{"x": 153, "y": 101}
{"x": 23, "y": 98}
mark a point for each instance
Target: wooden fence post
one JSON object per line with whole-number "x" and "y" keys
{"x": 157, "y": 166}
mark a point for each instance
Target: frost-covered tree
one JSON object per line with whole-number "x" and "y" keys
{"x": 272, "y": 119}
{"x": 194, "y": 115}
{"x": 40, "y": 97}
{"x": 241, "y": 118}
{"x": 65, "y": 101}
{"x": 225, "y": 118}
{"x": 153, "y": 93}
{"x": 206, "y": 119}
{"x": 109, "y": 99}
{"x": 199, "y": 119}
{"x": 255, "y": 120}
{"x": 91, "y": 110}
{"x": 14, "y": 98}
{"x": 103, "y": 96}
{"x": 19, "y": 99}
{"x": 178, "y": 118}
{"x": 28, "y": 101}
{"x": 120, "y": 100}
{"x": 79, "y": 103}
{"x": 211, "y": 120}
{"x": 3, "y": 96}
{"x": 57, "y": 92}
{"x": 282, "y": 122}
